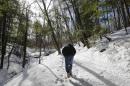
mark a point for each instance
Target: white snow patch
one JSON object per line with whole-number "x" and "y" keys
{"x": 91, "y": 67}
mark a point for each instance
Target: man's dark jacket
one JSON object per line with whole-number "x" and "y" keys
{"x": 68, "y": 50}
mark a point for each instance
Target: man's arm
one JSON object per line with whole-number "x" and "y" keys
{"x": 74, "y": 51}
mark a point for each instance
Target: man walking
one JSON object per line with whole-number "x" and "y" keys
{"x": 68, "y": 52}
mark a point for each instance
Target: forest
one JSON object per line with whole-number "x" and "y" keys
{"x": 55, "y": 23}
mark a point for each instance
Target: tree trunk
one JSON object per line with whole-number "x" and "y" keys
{"x": 127, "y": 10}
{"x": 79, "y": 23}
{"x": 40, "y": 47}
{"x": 0, "y": 35}
{"x": 70, "y": 14}
{"x": 25, "y": 41}
{"x": 53, "y": 34}
{"x": 124, "y": 15}
{"x": 114, "y": 13}
{"x": 119, "y": 19}
{"x": 9, "y": 57}
{"x": 4, "y": 40}
{"x": 70, "y": 37}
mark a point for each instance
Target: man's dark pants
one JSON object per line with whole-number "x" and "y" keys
{"x": 68, "y": 63}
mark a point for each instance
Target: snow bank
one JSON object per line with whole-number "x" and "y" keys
{"x": 116, "y": 56}
{"x": 91, "y": 67}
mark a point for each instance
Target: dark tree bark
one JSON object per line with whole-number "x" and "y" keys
{"x": 9, "y": 57}
{"x": 70, "y": 37}
{"x": 127, "y": 11}
{"x": 84, "y": 37}
{"x": 119, "y": 18}
{"x": 0, "y": 35}
{"x": 114, "y": 13}
{"x": 25, "y": 40}
{"x": 70, "y": 14}
{"x": 4, "y": 40}
{"x": 53, "y": 34}
{"x": 124, "y": 16}
{"x": 40, "y": 47}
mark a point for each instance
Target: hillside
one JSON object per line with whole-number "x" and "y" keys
{"x": 91, "y": 67}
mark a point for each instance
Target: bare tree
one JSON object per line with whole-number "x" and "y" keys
{"x": 52, "y": 30}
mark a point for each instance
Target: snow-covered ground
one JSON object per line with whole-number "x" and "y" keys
{"x": 91, "y": 67}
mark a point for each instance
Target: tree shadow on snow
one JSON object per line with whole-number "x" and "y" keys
{"x": 107, "y": 82}
{"x": 24, "y": 76}
{"x": 57, "y": 78}
{"x": 82, "y": 82}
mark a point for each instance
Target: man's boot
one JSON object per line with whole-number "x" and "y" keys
{"x": 68, "y": 75}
